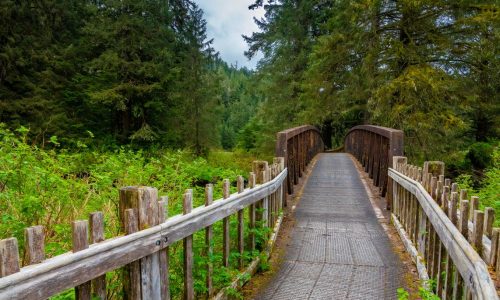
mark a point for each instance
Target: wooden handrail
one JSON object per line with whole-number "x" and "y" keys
{"x": 374, "y": 147}
{"x": 425, "y": 208}
{"x": 59, "y": 273}
{"x": 298, "y": 146}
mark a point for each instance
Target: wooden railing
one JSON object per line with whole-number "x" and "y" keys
{"x": 374, "y": 147}
{"x": 143, "y": 251}
{"x": 298, "y": 146}
{"x": 449, "y": 238}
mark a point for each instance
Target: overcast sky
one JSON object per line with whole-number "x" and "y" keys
{"x": 227, "y": 20}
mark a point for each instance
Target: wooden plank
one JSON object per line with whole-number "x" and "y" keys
{"x": 459, "y": 288}
{"x": 497, "y": 265}
{"x": 209, "y": 198}
{"x": 265, "y": 201}
{"x": 477, "y": 236}
{"x": 164, "y": 254}
{"x": 450, "y": 282}
{"x": 145, "y": 202}
{"x": 117, "y": 252}
{"x": 251, "y": 215}
{"x": 241, "y": 241}
{"x": 96, "y": 220}
{"x": 494, "y": 247}
{"x": 464, "y": 217}
{"x": 132, "y": 272}
{"x": 80, "y": 242}
{"x": 188, "y": 250}
{"x": 34, "y": 245}
{"x": 9, "y": 257}
{"x": 225, "y": 227}
{"x": 150, "y": 265}
{"x": 489, "y": 219}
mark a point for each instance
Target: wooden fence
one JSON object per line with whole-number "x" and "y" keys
{"x": 445, "y": 231}
{"x": 298, "y": 146}
{"x": 374, "y": 147}
{"x": 143, "y": 251}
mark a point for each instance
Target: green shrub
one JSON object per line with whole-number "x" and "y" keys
{"x": 480, "y": 155}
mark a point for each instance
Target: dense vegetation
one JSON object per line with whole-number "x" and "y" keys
{"x": 54, "y": 187}
{"x": 130, "y": 72}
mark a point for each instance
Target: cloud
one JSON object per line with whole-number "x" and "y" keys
{"x": 227, "y": 20}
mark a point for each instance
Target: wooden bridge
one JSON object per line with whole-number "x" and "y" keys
{"x": 338, "y": 249}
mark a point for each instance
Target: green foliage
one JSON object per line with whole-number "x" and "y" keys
{"x": 55, "y": 187}
{"x": 403, "y": 294}
{"x": 488, "y": 187}
{"x": 480, "y": 155}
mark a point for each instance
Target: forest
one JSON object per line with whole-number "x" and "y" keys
{"x": 97, "y": 95}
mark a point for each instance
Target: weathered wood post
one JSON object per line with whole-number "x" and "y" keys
{"x": 188, "y": 250}
{"x": 144, "y": 203}
{"x": 280, "y": 161}
{"x": 34, "y": 247}
{"x": 241, "y": 243}
{"x": 396, "y": 162}
{"x": 251, "y": 214}
{"x": 81, "y": 242}
{"x": 164, "y": 254}
{"x": 225, "y": 227}
{"x": 96, "y": 220}
{"x": 208, "y": 242}
{"x": 9, "y": 257}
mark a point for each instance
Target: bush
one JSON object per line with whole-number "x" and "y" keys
{"x": 480, "y": 155}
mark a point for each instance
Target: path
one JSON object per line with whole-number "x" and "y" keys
{"x": 337, "y": 250}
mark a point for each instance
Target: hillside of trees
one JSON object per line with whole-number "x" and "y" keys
{"x": 124, "y": 72}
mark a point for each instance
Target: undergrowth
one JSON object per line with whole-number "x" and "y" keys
{"x": 53, "y": 187}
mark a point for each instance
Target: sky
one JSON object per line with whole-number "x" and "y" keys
{"x": 227, "y": 20}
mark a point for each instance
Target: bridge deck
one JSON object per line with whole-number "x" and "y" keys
{"x": 338, "y": 249}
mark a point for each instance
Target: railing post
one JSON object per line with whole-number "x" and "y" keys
{"x": 144, "y": 201}
{"x": 187, "y": 206}
{"x": 81, "y": 242}
{"x": 96, "y": 221}
{"x": 225, "y": 227}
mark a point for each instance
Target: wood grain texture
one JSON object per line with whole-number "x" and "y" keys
{"x": 9, "y": 257}
{"x": 209, "y": 244}
{"x": 80, "y": 242}
{"x": 477, "y": 236}
{"x": 164, "y": 254}
{"x": 251, "y": 215}
{"x": 96, "y": 221}
{"x": 132, "y": 272}
{"x": 241, "y": 242}
{"x": 225, "y": 227}
{"x": 489, "y": 219}
{"x": 494, "y": 247}
{"x": 188, "y": 250}
{"x": 34, "y": 245}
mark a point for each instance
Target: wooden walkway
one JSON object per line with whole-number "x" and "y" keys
{"x": 337, "y": 250}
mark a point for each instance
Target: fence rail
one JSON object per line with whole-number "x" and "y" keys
{"x": 298, "y": 146}
{"x": 448, "y": 231}
{"x": 143, "y": 251}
